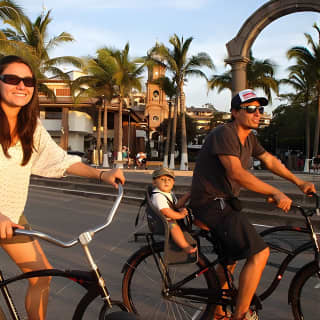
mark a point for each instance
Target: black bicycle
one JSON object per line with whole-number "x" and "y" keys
{"x": 156, "y": 290}
{"x": 92, "y": 280}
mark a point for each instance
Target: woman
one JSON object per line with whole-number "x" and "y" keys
{"x": 27, "y": 148}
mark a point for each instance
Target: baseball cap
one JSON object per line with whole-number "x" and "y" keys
{"x": 246, "y": 96}
{"x": 162, "y": 172}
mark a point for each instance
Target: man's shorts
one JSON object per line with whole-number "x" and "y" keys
{"x": 19, "y": 238}
{"x": 236, "y": 235}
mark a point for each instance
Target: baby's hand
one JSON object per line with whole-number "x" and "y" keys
{"x": 183, "y": 212}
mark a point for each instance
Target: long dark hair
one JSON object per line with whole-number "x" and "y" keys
{"x": 27, "y": 118}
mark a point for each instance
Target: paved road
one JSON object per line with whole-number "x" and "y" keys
{"x": 64, "y": 216}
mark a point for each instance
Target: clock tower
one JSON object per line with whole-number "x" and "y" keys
{"x": 156, "y": 104}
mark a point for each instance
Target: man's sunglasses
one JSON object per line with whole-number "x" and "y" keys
{"x": 15, "y": 80}
{"x": 253, "y": 109}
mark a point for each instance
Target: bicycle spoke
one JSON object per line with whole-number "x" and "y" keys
{"x": 144, "y": 292}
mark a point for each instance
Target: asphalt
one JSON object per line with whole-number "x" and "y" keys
{"x": 137, "y": 180}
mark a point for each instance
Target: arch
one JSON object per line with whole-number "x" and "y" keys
{"x": 238, "y": 48}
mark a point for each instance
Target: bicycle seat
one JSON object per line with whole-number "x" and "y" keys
{"x": 201, "y": 225}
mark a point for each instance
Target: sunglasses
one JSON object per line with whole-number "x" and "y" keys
{"x": 15, "y": 80}
{"x": 253, "y": 109}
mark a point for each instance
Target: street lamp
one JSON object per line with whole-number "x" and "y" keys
{"x": 129, "y": 131}
{"x": 148, "y": 149}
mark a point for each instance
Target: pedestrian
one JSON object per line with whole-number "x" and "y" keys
{"x": 27, "y": 148}
{"x": 141, "y": 159}
{"x": 166, "y": 202}
{"x": 221, "y": 170}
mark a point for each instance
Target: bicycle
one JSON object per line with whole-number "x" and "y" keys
{"x": 191, "y": 291}
{"x": 92, "y": 281}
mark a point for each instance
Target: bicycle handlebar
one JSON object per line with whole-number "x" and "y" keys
{"x": 71, "y": 243}
{"x": 310, "y": 212}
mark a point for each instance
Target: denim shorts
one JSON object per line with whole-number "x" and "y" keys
{"x": 237, "y": 237}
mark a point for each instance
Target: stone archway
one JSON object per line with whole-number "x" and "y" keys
{"x": 238, "y": 48}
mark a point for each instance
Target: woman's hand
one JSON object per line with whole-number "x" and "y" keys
{"x": 6, "y": 226}
{"x": 112, "y": 176}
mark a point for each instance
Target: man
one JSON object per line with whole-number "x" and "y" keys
{"x": 220, "y": 172}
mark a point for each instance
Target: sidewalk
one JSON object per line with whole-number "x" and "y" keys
{"x": 185, "y": 177}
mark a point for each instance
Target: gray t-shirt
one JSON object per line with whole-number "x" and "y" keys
{"x": 209, "y": 177}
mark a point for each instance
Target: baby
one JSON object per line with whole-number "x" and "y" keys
{"x": 164, "y": 200}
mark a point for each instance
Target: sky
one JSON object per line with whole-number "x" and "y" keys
{"x": 211, "y": 23}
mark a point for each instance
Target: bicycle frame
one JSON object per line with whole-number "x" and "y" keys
{"x": 218, "y": 296}
{"x": 92, "y": 280}
{"x": 312, "y": 244}
{"x": 227, "y": 297}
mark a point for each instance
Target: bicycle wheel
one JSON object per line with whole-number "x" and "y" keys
{"x": 305, "y": 293}
{"x": 281, "y": 240}
{"x": 92, "y": 301}
{"x": 142, "y": 288}
{"x": 120, "y": 315}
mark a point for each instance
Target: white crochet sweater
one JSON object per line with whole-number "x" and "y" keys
{"x": 48, "y": 160}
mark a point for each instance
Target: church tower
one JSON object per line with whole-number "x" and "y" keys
{"x": 156, "y": 101}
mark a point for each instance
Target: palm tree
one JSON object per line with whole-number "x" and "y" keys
{"x": 181, "y": 66}
{"x": 299, "y": 80}
{"x": 310, "y": 60}
{"x": 98, "y": 83}
{"x": 168, "y": 86}
{"x": 30, "y": 41}
{"x": 127, "y": 76}
{"x": 10, "y": 10}
{"x": 260, "y": 75}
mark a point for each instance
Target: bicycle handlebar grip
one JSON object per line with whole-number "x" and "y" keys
{"x": 118, "y": 181}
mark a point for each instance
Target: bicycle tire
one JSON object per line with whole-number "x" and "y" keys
{"x": 120, "y": 315}
{"x": 142, "y": 283}
{"x": 304, "y": 292}
{"x": 93, "y": 295}
{"x": 280, "y": 237}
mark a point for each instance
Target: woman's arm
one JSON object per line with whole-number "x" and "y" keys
{"x": 110, "y": 176}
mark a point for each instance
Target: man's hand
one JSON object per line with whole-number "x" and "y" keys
{"x": 6, "y": 226}
{"x": 111, "y": 177}
{"x": 283, "y": 202}
{"x": 307, "y": 187}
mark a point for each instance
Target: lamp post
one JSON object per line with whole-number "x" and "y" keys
{"x": 129, "y": 131}
{"x": 105, "y": 135}
{"x": 148, "y": 149}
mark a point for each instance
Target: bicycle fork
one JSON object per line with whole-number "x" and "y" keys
{"x": 85, "y": 238}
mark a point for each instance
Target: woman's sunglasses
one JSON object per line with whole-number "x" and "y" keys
{"x": 253, "y": 109}
{"x": 15, "y": 80}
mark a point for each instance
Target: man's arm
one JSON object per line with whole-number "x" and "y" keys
{"x": 277, "y": 167}
{"x": 236, "y": 172}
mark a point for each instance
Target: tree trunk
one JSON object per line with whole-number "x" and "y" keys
{"x": 64, "y": 128}
{"x": 174, "y": 132}
{"x": 184, "y": 147}
{"x": 307, "y": 132}
{"x": 166, "y": 149}
{"x": 317, "y": 130}
{"x": 119, "y": 148}
{"x": 105, "y": 136}
{"x": 99, "y": 135}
